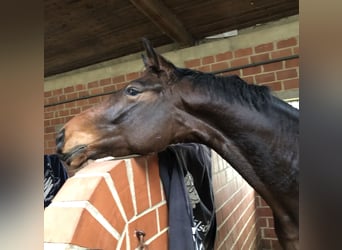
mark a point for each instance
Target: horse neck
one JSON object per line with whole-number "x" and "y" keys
{"x": 213, "y": 124}
{"x": 252, "y": 140}
{"x": 217, "y": 122}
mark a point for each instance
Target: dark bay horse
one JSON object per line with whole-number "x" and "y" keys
{"x": 254, "y": 131}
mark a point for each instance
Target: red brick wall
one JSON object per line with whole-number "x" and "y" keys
{"x": 236, "y": 209}
{"x": 244, "y": 220}
{"x": 266, "y": 225}
{"x": 278, "y": 76}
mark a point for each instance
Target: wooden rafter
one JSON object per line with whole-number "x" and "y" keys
{"x": 165, "y": 20}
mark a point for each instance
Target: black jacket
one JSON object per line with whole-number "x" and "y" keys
{"x": 55, "y": 175}
{"x": 185, "y": 171}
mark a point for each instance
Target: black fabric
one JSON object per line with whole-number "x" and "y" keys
{"x": 55, "y": 175}
{"x": 185, "y": 171}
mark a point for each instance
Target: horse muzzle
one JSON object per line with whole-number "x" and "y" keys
{"x": 73, "y": 157}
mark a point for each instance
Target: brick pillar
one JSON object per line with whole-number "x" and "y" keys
{"x": 103, "y": 204}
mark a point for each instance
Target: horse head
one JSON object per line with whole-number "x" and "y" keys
{"x": 138, "y": 119}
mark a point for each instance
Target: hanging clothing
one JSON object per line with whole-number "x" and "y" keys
{"x": 185, "y": 171}
{"x": 55, "y": 175}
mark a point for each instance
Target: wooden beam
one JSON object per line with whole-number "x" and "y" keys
{"x": 165, "y": 19}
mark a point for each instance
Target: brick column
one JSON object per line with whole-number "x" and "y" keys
{"x": 103, "y": 204}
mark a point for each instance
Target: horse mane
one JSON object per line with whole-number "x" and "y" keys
{"x": 230, "y": 88}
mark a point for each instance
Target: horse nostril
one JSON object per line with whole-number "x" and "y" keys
{"x": 60, "y": 140}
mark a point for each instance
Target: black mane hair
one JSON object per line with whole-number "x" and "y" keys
{"x": 231, "y": 88}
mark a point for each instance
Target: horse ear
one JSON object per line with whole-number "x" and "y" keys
{"x": 155, "y": 60}
{"x": 152, "y": 57}
{"x": 143, "y": 57}
{"x": 166, "y": 66}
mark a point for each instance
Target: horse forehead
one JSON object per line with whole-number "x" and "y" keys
{"x": 147, "y": 76}
{"x": 150, "y": 78}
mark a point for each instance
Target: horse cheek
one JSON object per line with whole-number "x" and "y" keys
{"x": 145, "y": 143}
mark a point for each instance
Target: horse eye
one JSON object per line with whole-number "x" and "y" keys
{"x": 132, "y": 91}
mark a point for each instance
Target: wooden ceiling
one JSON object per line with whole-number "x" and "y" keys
{"x": 79, "y": 33}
